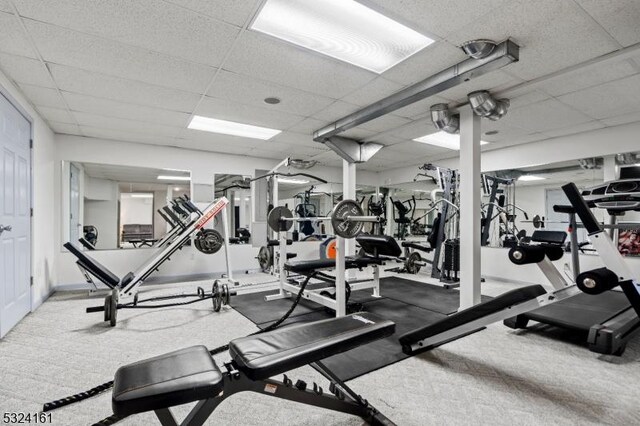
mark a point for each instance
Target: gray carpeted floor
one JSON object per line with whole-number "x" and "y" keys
{"x": 498, "y": 376}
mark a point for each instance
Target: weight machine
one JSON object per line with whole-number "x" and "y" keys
{"x": 347, "y": 220}
{"x": 207, "y": 241}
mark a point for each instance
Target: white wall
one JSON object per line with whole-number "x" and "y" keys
{"x": 135, "y": 210}
{"x": 44, "y": 248}
{"x": 101, "y": 210}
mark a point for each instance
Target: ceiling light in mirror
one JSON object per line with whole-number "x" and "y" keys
{"x": 174, "y": 178}
{"x": 530, "y": 178}
{"x": 293, "y": 181}
{"x": 443, "y": 140}
{"x": 225, "y": 127}
{"x": 140, "y": 195}
{"x": 343, "y": 29}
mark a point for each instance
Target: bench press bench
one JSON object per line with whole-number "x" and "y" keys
{"x": 191, "y": 374}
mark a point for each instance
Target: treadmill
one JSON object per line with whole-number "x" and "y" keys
{"x": 609, "y": 320}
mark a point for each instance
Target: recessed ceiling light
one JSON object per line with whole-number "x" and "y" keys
{"x": 174, "y": 178}
{"x": 443, "y": 140}
{"x": 214, "y": 125}
{"x": 272, "y": 101}
{"x": 528, "y": 178}
{"x": 343, "y": 29}
{"x": 176, "y": 189}
{"x": 294, "y": 181}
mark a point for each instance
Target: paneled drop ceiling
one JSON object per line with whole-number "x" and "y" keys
{"x": 138, "y": 70}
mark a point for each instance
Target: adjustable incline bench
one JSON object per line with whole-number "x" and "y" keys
{"x": 191, "y": 374}
{"x": 377, "y": 249}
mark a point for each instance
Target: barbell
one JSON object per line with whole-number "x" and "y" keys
{"x": 347, "y": 219}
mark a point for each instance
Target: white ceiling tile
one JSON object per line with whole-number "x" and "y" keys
{"x": 247, "y": 114}
{"x": 104, "y": 86}
{"x": 66, "y": 47}
{"x": 151, "y": 24}
{"x": 125, "y": 135}
{"x": 592, "y": 76}
{"x": 552, "y": 34}
{"x": 252, "y": 91}
{"x": 43, "y": 96}
{"x": 56, "y": 114}
{"x": 5, "y": 6}
{"x": 617, "y": 120}
{"x": 335, "y": 111}
{"x": 235, "y": 12}
{"x": 519, "y": 140}
{"x": 544, "y": 116}
{"x": 435, "y": 16}
{"x": 295, "y": 139}
{"x": 418, "y": 149}
{"x": 110, "y": 108}
{"x": 100, "y": 121}
{"x": 619, "y": 17}
{"x": 415, "y": 130}
{"x": 521, "y": 97}
{"x": 274, "y": 60}
{"x": 384, "y": 123}
{"x": 25, "y": 70}
{"x": 372, "y": 92}
{"x": 607, "y": 100}
{"x": 12, "y": 37}
{"x": 505, "y": 132}
{"x": 585, "y": 127}
{"x": 307, "y": 125}
{"x": 429, "y": 61}
{"x": 65, "y": 128}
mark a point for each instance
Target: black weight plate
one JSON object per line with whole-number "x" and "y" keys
{"x": 107, "y": 308}
{"x": 114, "y": 311}
{"x": 209, "y": 241}
{"x": 275, "y": 216}
{"x": 342, "y": 227}
{"x": 410, "y": 263}
{"x": 216, "y": 297}
{"x": 226, "y": 296}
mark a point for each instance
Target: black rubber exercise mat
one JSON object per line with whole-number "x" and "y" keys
{"x": 422, "y": 295}
{"x": 380, "y": 353}
{"x": 253, "y": 307}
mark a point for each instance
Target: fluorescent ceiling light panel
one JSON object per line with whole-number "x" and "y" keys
{"x": 343, "y": 29}
{"x": 294, "y": 181}
{"x": 443, "y": 140}
{"x": 214, "y": 125}
{"x": 139, "y": 195}
{"x": 529, "y": 178}
{"x": 173, "y": 178}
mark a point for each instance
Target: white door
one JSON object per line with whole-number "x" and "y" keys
{"x": 15, "y": 221}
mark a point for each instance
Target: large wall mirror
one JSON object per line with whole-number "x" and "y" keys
{"x": 120, "y": 207}
{"x": 237, "y": 189}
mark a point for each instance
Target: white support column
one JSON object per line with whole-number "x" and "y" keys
{"x": 274, "y": 200}
{"x": 470, "y": 189}
{"x": 349, "y": 192}
{"x": 341, "y": 295}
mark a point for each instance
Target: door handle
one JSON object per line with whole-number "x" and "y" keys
{"x": 3, "y": 228}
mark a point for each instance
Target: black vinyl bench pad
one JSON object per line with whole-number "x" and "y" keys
{"x": 174, "y": 378}
{"x": 307, "y": 266}
{"x": 93, "y": 266}
{"x": 481, "y": 310}
{"x": 265, "y": 355}
{"x": 416, "y": 246}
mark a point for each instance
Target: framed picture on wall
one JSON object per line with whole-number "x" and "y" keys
{"x": 629, "y": 240}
